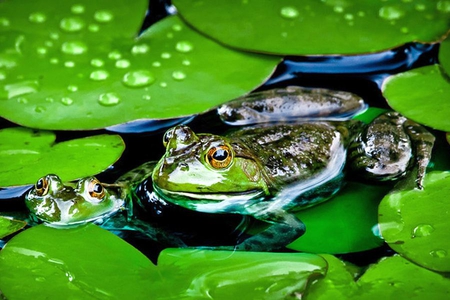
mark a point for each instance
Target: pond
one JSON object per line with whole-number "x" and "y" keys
{"x": 370, "y": 240}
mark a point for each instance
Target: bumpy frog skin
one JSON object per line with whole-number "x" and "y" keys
{"x": 57, "y": 203}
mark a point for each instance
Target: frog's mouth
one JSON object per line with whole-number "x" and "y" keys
{"x": 212, "y": 202}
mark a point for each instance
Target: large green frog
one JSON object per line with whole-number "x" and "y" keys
{"x": 267, "y": 171}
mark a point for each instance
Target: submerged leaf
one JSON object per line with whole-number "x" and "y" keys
{"x": 85, "y": 262}
{"x": 77, "y": 65}
{"x": 9, "y": 226}
{"x": 422, "y": 94}
{"x": 416, "y": 223}
{"x": 311, "y": 27}
{"x": 26, "y": 155}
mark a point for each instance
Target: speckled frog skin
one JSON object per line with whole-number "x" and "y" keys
{"x": 269, "y": 171}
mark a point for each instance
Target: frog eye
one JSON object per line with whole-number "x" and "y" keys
{"x": 96, "y": 189}
{"x": 219, "y": 157}
{"x": 167, "y": 136}
{"x": 42, "y": 186}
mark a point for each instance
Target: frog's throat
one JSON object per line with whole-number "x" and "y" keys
{"x": 212, "y": 202}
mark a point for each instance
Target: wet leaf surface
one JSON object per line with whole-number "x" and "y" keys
{"x": 422, "y": 95}
{"x": 78, "y": 66}
{"x": 9, "y": 226}
{"x": 416, "y": 223}
{"x": 317, "y": 27}
{"x": 26, "y": 155}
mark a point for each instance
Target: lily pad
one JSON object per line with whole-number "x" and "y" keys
{"x": 85, "y": 262}
{"x": 9, "y": 226}
{"x": 422, "y": 94}
{"x": 343, "y": 224}
{"x": 444, "y": 55}
{"x": 416, "y": 223}
{"x": 26, "y": 155}
{"x": 200, "y": 274}
{"x": 311, "y": 27}
{"x": 72, "y": 71}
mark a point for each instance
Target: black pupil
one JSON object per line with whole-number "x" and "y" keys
{"x": 40, "y": 184}
{"x": 220, "y": 154}
{"x": 97, "y": 188}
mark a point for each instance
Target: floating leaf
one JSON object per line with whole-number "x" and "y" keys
{"x": 397, "y": 278}
{"x": 344, "y": 224}
{"x": 317, "y": 27}
{"x": 71, "y": 70}
{"x": 9, "y": 226}
{"x": 26, "y": 155}
{"x": 85, "y": 262}
{"x": 199, "y": 274}
{"x": 416, "y": 223}
{"x": 422, "y": 94}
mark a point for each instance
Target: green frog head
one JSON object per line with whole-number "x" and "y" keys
{"x": 52, "y": 201}
{"x": 207, "y": 172}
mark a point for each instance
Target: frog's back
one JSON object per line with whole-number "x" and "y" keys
{"x": 295, "y": 152}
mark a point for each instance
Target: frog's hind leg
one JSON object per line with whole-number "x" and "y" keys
{"x": 389, "y": 147}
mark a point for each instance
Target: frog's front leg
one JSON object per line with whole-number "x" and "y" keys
{"x": 390, "y": 147}
{"x": 284, "y": 229}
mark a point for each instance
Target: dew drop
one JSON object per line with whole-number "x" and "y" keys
{"x": 103, "y": 16}
{"x": 97, "y": 62}
{"x": 178, "y": 75}
{"x": 438, "y": 253}
{"x": 140, "y": 49}
{"x": 72, "y": 24}
{"x": 77, "y": 9}
{"x": 186, "y": 62}
{"x": 41, "y": 50}
{"x": 422, "y": 230}
{"x": 99, "y": 75}
{"x": 22, "y": 100}
{"x": 115, "y": 55}
{"x": 138, "y": 78}
{"x": 146, "y": 97}
{"x": 39, "y": 109}
{"x": 390, "y": 13}
{"x": 289, "y": 12}
{"x": 184, "y": 46}
{"x": 72, "y": 88}
{"x": 66, "y": 101}
{"x": 93, "y": 28}
{"x": 37, "y": 17}
{"x": 4, "y": 22}
{"x": 443, "y": 6}
{"x": 122, "y": 64}
{"x": 109, "y": 99}
{"x": 166, "y": 55}
{"x": 156, "y": 64}
{"x": 176, "y": 27}
{"x": 74, "y": 47}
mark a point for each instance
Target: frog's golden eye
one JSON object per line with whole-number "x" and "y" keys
{"x": 96, "y": 189}
{"x": 219, "y": 157}
{"x": 167, "y": 136}
{"x": 42, "y": 186}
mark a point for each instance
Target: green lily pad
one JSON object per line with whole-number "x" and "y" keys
{"x": 200, "y": 274}
{"x": 397, "y": 278}
{"x": 9, "y": 226}
{"x": 85, "y": 262}
{"x": 311, "y": 27}
{"x": 343, "y": 224}
{"x": 61, "y": 75}
{"x": 416, "y": 223}
{"x": 422, "y": 94}
{"x": 26, "y": 155}
{"x": 444, "y": 55}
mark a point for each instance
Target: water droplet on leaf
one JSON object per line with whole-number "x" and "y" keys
{"x": 140, "y": 49}
{"x": 422, "y": 230}
{"x": 163, "y": 84}
{"x": 2, "y": 75}
{"x": 115, "y": 55}
{"x": 96, "y": 62}
{"x": 72, "y": 24}
{"x": 186, "y": 62}
{"x": 19, "y": 88}
{"x": 156, "y": 64}
{"x": 178, "y": 75}
{"x": 93, "y": 28}
{"x": 77, "y": 9}
{"x": 22, "y": 100}
{"x": 122, "y": 64}
{"x": 103, "y": 16}
{"x": 177, "y": 27}
{"x": 289, "y": 12}
{"x": 109, "y": 99}
{"x": 166, "y": 55}
{"x": 41, "y": 50}
{"x": 99, "y": 75}
{"x": 184, "y": 46}
{"x": 74, "y": 47}
{"x": 4, "y": 22}
{"x": 54, "y": 60}
{"x": 138, "y": 78}
{"x": 37, "y": 17}
{"x": 438, "y": 253}
{"x": 40, "y": 109}
{"x": 443, "y": 6}
{"x": 390, "y": 13}
{"x": 72, "y": 88}
{"x": 146, "y": 97}
{"x": 66, "y": 101}
{"x": 420, "y": 7}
